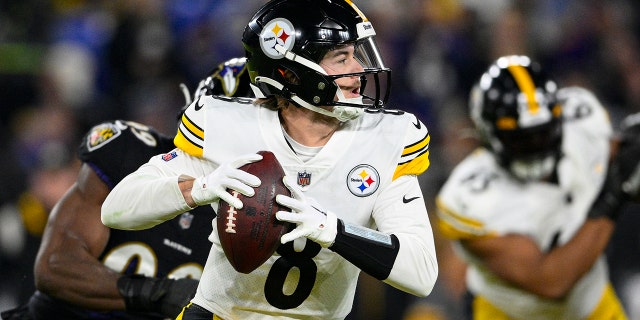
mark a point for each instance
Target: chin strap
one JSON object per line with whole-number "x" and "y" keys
{"x": 342, "y": 113}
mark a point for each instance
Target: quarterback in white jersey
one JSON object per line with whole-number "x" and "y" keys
{"x": 517, "y": 207}
{"x": 352, "y": 168}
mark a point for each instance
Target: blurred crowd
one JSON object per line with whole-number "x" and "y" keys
{"x": 66, "y": 65}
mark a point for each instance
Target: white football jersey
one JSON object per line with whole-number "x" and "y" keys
{"x": 481, "y": 199}
{"x": 363, "y": 174}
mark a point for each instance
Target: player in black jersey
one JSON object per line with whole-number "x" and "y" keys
{"x": 85, "y": 270}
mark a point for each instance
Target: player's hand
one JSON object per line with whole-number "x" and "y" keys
{"x": 312, "y": 221}
{"x": 627, "y": 159}
{"x": 213, "y": 187}
{"x": 145, "y": 295}
{"x": 623, "y": 176}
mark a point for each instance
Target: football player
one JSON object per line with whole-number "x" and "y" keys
{"x": 533, "y": 209}
{"x": 350, "y": 164}
{"x": 85, "y": 270}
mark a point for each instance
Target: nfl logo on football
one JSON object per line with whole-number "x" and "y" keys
{"x": 304, "y": 179}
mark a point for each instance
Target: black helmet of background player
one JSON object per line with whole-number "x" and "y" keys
{"x": 514, "y": 107}
{"x": 285, "y": 40}
{"x": 229, "y": 79}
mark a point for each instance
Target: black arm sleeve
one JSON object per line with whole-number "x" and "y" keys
{"x": 371, "y": 251}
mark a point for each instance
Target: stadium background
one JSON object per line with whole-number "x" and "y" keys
{"x": 68, "y": 64}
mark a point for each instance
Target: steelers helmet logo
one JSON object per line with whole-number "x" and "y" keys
{"x": 363, "y": 180}
{"x": 278, "y": 32}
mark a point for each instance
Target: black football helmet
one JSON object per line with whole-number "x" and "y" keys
{"x": 294, "y": 35}
{"x": 514, "y": 107}
{"x": 229, "y": 79}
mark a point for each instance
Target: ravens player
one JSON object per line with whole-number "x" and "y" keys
{"x": 85, "y": 270}
{"x": 533, "y": 210}
{"x": 350, "y": 164}
{"x": 230, "y": 79}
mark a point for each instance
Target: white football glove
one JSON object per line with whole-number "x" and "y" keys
{"x": 213, "y": 187}
{"x": 312, "y": 221}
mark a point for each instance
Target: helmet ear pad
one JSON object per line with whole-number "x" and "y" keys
{"x": 316, "y": 89}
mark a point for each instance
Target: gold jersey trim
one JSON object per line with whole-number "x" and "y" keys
{"x": 456, "y": 226}
{"x": 415, "y": 158}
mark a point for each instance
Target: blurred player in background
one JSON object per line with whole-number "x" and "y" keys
{"x": 533, "y": 210}
{"x": 351, "y": 166}
{"x": 84, "y": 270}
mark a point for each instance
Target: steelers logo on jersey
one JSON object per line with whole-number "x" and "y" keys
{"x": 363, "y": 180}
{"x": 101, "y": 135}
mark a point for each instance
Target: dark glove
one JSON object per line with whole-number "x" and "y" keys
{"x": 623, "y": 177}
{"x": 153, "y": 295}
{"x": 629, "y": 153}
{"x": 20, "y": 312}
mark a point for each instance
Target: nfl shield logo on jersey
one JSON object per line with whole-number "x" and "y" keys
{"x": 185, "y": 220}
{"x": 304, "y": 179}
{"x": 169, "y": 156}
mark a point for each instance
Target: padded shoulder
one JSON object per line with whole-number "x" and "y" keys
{"x": 116, "y": 148}
{"x": 191, "y": 130}
{"x": 414, "y": 159}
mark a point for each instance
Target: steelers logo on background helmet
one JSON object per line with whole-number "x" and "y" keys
{"x": 363, "y": 180}
{"x": 278, "y": 31}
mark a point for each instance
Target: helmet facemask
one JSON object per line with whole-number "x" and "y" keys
{"x": 531, "y": 154}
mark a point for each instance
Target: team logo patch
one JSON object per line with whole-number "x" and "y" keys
{"x": 101, "y": 135}
{"x": 363, "y": 180}
{"x": 304, "y": 179}
{"x": 185, "y": 220}
{"x": 230, "y": 76}
{"x": 278, "y": 31}
{"x": 169, "y": 156}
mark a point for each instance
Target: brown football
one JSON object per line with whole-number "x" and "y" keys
{"x": 249, "y": 236}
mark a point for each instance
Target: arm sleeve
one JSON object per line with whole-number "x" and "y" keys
{"x": 401, "y": 212}
{"x": 371, "y": 251}
{"x": 150, "y": 195}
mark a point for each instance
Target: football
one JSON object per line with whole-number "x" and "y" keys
{"x": 249, "y": 236}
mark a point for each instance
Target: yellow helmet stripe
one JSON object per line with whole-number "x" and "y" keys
{"x": 353, "y": 5}
{"x": 525, "y": 83}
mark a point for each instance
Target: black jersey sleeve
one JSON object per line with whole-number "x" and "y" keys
{"x": 116, "y": 148}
